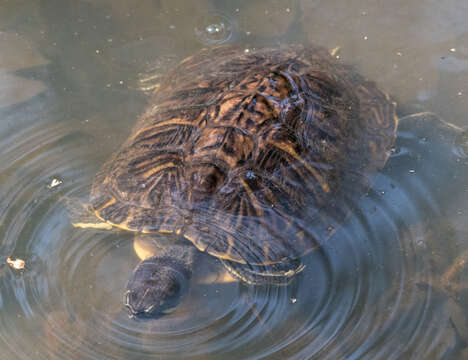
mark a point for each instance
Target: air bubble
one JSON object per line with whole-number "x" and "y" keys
{"x": 213, "y": 28}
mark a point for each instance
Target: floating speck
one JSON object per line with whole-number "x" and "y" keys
{"x": 412, "y": 171}
{"x": 97, "y": 51}
{"x": 172, "y": 27}
{"x": 365, "y": 37}
{"x": 237, "y": 10}
{"x": 121, "y": 82}
{"x": 55, "y": 182}
{"x": 109, "y": 40}
{"x": 293, "y": 300}
{"x": 335, "y": 50}
{"x": 453, "y": 50}
{"x": 460, "y": 93}
{"x": 246, "y": 51}
{"x": 399, "y": 53}
{"x": 108, "y": 85}
{"x": 288, "y": 10}
{"x": 363, "y": 13}
{"x": 248, "y": 33}
{"x": 17, "y": 264}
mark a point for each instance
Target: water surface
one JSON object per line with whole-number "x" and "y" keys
{"x": 75, "y": 77}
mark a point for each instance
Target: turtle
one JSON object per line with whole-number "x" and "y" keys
{"x": 253, "y": 156}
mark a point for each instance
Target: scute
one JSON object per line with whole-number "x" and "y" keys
{"x": 255, "y": 158}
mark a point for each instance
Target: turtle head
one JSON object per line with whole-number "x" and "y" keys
{"x": 156, "y": 286}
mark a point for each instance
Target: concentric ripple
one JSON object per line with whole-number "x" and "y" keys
{"x": 365, "y": 295}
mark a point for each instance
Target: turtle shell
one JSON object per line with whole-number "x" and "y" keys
{"x": 253, "y": 156}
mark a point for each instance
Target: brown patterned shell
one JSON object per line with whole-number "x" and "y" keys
{"x": 252, "y": 156}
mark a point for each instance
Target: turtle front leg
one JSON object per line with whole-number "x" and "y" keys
{"x": 159, "y": 282}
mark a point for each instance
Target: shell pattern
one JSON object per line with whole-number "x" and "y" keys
{"x": 253, "y": 156}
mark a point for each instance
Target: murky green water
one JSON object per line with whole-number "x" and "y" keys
{"x": 390, "y": 283}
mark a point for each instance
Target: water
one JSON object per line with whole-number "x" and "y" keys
{"x": 382, "y": 288}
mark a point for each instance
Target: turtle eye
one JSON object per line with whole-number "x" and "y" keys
{"x": 206, "y": 179}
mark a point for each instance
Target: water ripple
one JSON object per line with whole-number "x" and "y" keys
{"x": 359, "y": 297}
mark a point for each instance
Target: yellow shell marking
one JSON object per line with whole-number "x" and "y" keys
{"x": 109, "y": 203}
{"x": 258, "y": 208}
{"x": 174, "y": 122}
{"x": 103, "y": 226}
{"x": 150, "y": 172}
{"x": 288, "y": 149}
